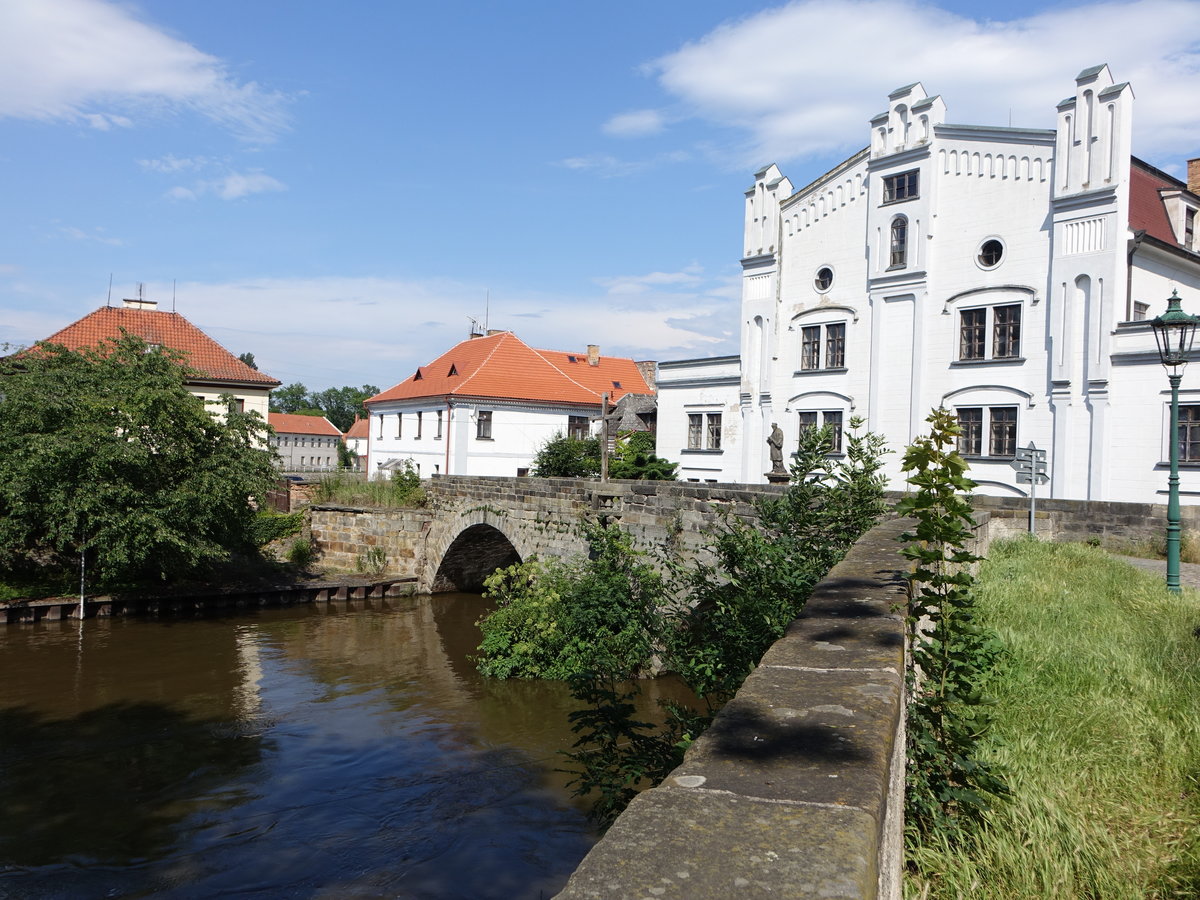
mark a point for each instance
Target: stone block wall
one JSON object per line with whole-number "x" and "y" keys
{"x": 343, "y": 534}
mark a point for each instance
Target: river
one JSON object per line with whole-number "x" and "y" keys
{"x": 307, "y": 752}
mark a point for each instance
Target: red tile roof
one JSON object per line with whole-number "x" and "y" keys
{"x": 502, "y": 366}
{"x": 360, "y": 429}
{"x": 288, "y": 423}
{"x": 1147, "y": 212}
{"x": 168, "y": 329}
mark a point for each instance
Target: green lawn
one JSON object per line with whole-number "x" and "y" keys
{"x": 1097, "y": 731}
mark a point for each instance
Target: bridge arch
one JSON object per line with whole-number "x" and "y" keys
{"x": 477, "y": 552}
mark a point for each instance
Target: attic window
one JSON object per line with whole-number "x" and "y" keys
{"x": 573, "y": 359}
{"x": 418, "y": 376}
{"x": 453, "y": 370}
{"x": 616, "y": 384}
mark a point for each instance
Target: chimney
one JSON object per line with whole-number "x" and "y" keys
{"x": 593, "y": 354}
{"x": 1194, "y": 176}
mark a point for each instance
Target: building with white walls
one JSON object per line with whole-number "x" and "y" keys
{"x": 487, "y": 405}
{"x": 1005, "y": 273}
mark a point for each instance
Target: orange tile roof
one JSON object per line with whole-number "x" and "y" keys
{"x": 360, "y": 429}
{"x": 211, "y": 360}
{"x": 291, "y": 423}
{"x": 502, "y": 366}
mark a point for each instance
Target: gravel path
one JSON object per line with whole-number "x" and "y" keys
{"x": 1189, "y": 573}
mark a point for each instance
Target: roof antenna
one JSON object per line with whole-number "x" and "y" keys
{"x": 487, "y": 306}
{"x": 172, "y": 295}
{"x": 474, "y": 331}
{"x": 108, "y": 302}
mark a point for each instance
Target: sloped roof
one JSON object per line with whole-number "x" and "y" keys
{"x": 502, "y": 366}
{"x": 290, "y": 423}
{"x": 1147, "y": 211}
{"x": 167, "y": 329}
{"x": 360, "y": 429}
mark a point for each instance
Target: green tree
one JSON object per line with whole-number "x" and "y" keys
{"x": 248, "y": 359}
{"x": 567, "y": 457}
{"x": 104, "y": 451}
{"x": 289, "y": 399}
{"x": 343, "y": 405}
{"x": 635, "y": 460}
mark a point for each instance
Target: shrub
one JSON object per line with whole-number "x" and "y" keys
{"x": 301, "y": 553}
{"x": 567, "y": 457}
{"x": 636, "y": 461}
{"x": 270, "y": 526}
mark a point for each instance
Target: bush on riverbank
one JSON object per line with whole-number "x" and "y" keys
{"x": 1097, "y": 728}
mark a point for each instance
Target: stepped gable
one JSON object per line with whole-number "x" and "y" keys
{"x": 502, "y": 366}
{"x": 211, "y": 361}
{"x": 292, "y": 423}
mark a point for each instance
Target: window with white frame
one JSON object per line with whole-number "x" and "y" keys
{"x": 438, "y": 436}
{"x": 399, "y": 425}
{"x": 904, "y": 186}
{"x": 834, "y": 346}
{"x": 830, "y": 418}
{"x": 1189, "y": 229}
{"x": 993, "y": 428}
{"x": 381, "y": 426}
{"x": 483, "y": 425}
{"x": 704, "y": 431}
{"x": 577, "y": 427}
{"x": 1004, "y": 332}
{"x": 417, "y": 436}
{"x": 1189, "y": 433}
{"x": 898, "y": 245}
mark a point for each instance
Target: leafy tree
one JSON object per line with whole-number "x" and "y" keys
{"x": 341, "y": 406}
{"x": 290, "y": 398}
{"x": 567, "y": 457}
{"x": 635, "y": 460}
{"x": 248, "y": 359}
{"x": 104, "y": 451}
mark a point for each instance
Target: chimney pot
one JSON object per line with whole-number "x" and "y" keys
{"x": 1193, "y": 175}
{"x": 593, "y": 354}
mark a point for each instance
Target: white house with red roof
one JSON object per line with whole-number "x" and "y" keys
{"x": 358, "y": 440}
{"x": 216, "y": 370}
{"x": 488, "y": 404}
{"x": 1004, "y": 273}
{"x": 305, "y": 443}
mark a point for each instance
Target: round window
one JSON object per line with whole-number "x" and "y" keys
{"x": 991, "y": 252}
{"x": 824, "y": 279}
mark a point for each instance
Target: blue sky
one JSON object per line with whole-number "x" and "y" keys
{"x": 336, "y": 188}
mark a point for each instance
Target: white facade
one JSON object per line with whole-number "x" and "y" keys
{"x": 703, "y": 395}
{"x": 998, "y": 272}
{"x": 492, "y": 437}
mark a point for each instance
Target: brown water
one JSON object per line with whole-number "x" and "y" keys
{"x": 304, "y": 752}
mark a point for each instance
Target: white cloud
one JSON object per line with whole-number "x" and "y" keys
{"x": 170, "y": 163}
{"x": 232, "y": 186}
{"x": 640, "y": 284}
{"x": 803, "y": 79}
{"x": 96, "y": 234}
{"x": 93, "y": 61}
{"x": 608, "y": 166}
{"x": 635, "y": 124}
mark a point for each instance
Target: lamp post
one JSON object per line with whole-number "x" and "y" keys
{"x": 1174, "y": 331}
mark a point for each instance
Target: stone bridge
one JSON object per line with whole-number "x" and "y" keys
{"x": 472, "y": 525}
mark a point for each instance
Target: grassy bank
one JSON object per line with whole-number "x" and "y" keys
{"x": 1097, "y": 729}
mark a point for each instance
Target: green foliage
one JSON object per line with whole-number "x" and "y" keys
{"x": 761, "y": 574}
{"x": 402, "y": 489}
{"x": 953, "y": 655}
{"x": 105, "y": 451}
{"x": 372, "y": 562}
{"x": 347, "y": 458}
{"x": 557, "y": 619}
{"x": 248, "y": 359}
{"x": 301, "y": 553}
{"x": 635, "y": 460}
{"x": 1097, "y": 728}
{"x": 567, "y": 457}
{"x": 616, "y": 754}
{"x": 271, "y": 526}
{"x": 341, "y": 406}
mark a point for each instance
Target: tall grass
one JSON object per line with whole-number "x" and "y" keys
{"x": 350, "y": 489}
{"x": 1097, "y": 730}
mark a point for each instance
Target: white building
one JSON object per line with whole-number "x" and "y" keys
{"x": 1005, "y": 273}
{"x": 487, "y": 405}
{"x": 305, "y": 443}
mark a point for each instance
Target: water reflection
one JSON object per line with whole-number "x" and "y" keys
{"x": 312, "y": 752}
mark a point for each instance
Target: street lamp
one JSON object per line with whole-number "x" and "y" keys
{"x": 1174, "y": 331}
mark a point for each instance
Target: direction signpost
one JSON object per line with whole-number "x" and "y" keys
{"x": 1030, "y": 465}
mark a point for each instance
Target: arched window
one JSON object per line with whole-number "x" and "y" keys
{"x": 899, "y": 256}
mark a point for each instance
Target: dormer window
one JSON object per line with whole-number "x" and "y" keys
{"x": 1189, "y": 229}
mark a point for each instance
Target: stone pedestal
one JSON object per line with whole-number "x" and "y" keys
{"x": 778, "y": 477}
